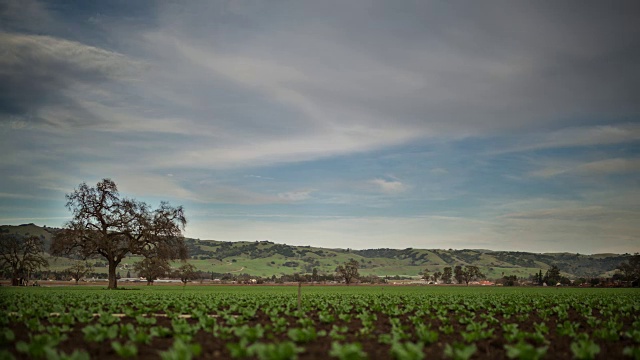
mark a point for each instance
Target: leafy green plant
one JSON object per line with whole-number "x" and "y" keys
{"x": 525, "y": 351}
{"x": 99, "y": 333}
{"x": 181, "y": 351}
{"x": 352, "y": 351}
{"x": 146, "y": 321}
{"x": 40, "y": 346}
{"x": 338, "y": 332}
{"x": 460, "y": 351}
{"x": 407, "y": 351}
{"x": 108, "y": 319}
{"x": 249, "y": 333}
{"x": 126, "y": 351}
{"x": 6, "y": 336}
{"x": 5, "y": 354}
{"x": 275, "y": 351}
{"x": 302, "y": 336}
{"x": 425, "y": 334}
{"x": 568, "y": 328}
{"x": 633, "y": 352}
{"x": 584, "y": 349}
{"x": 446, "y": 329}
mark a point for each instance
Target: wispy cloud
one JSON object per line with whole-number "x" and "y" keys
{"x": 388, "y": 186}
{"x": 576, "y": 137}
{"x": 599, "y": 167}
{"x": 472, "y": 126}
{"x": 296, "y": 195}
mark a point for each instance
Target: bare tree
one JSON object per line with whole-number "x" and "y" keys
{"x": 348, "y": 271}
{"x": 152, "y": 268}
{"x": 79, "y": 269}
{"x": 21, "y": 256}
{"x": 107, "y": 225}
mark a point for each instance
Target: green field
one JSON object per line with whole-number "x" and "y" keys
{"x": 342, "y": 322}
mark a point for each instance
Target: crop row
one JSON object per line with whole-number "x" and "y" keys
{"x": 59, "y": 323}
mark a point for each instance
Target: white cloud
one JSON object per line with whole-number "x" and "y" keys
{"x": 388, "y": 186}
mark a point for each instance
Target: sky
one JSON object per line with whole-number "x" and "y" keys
{"x": 343, "y": 124}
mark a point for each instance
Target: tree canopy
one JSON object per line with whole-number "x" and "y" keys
{"x": 425, "y": 275}
{"x": 79, "y": 269}
{"x": 348, "y": 271}
{"x": 108, "y": 225}
{"x": 447, "y": 274}
{"x": 152, "y": 268}
{"x": 631, "y": 269}
{"x": 552, "y": 276}
{"x": 470, "y": 273}
{"x": 21, "y": 256}
{"x": 186, "y": 272}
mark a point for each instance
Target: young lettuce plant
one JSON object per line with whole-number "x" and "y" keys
{"x": 407, "y": 351}
{"x": 126, "y": 351}
{"x": 460, "y": 351}
{"x": 181, "y": 351}
{"x": 584, "y": 349}
{"x": 272, "y": 351}
{"x": 525, "y": 351}
{"x": 351, "y": 351}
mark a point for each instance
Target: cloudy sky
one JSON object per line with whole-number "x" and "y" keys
{"x": 361, "y": 124}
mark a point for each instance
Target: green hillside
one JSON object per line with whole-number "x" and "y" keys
{"x": 265, "y": 258}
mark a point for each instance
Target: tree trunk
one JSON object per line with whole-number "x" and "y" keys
{"x": 113, "y": 281}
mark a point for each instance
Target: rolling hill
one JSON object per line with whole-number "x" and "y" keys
{"x": 265, "y": 258}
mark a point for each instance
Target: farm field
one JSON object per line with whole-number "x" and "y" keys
{"x": 263, "y": 322}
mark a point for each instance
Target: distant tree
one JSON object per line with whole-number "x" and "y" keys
{"x": 21, "y": 256}
{"x": 186, "y": 273}
{"x": 509, "y": 280}
{"x": 348, "y": 271}
{"x": 425, "y": 275}
{"x": 458, "y": 274}
{"x": 437, "y": 275}
{"x": 470, "y": 273}
{"x": 152, "y": 268}
{"x": 552, "y": 276}
{"x": 631, "y": 269}
{"x": 107, "y": 225}
{"x": 128, "y": 273}
{"x": 79, "y": 269}
{"x": 447, "y": 274}
{"x": 314, "y": 274}
{"x": 201, "y": 275}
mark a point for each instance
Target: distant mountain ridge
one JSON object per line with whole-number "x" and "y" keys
{"x": 266, "y": 258}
